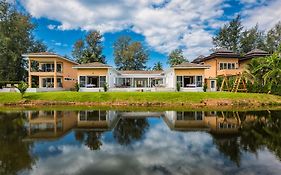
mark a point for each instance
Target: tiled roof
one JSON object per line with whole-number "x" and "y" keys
{"x": 255, "y": 54}
{"x": 190, "y": 65}
{"x": 92, "y": 65}
{"x": 141, "y": 72}
{"x": 199, "y": 59}
{"x": 222, "y": 53}
{"x": 257, "y": 51}
{"x": 47, "y": 54}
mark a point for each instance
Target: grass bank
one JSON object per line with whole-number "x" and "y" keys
{"x": 195, "y": 99}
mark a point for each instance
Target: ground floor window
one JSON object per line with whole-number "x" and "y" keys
{"x": 49, "y": 82}
{"x": 92, "y": 115}
{"x": 139, "y": 82}
{"x": 189, "y": 115}
{"x": 92, "y": 81}
{"x": 190, "y": 81}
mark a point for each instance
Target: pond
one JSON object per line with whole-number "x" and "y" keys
{"x": 115, "y": 142}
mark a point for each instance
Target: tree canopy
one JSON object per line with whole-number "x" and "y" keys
{"x": 89, "y": 49}
{"x": 229, "y": 35}
{"x": 129, "y": 55}
{"x": 176, "y": 57}
{"x": 16, "y": 38}
{"x": 158, "y": 66}
{"x": 234, "y": 36}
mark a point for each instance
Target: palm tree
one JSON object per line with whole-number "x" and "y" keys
{"x": 273, "y": 75}
{"x": 158, "y": 66}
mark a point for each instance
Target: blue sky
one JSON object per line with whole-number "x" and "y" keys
{"x": 161, "y": 25}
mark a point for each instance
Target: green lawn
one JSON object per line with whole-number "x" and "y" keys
{"x": 138, "y": 97}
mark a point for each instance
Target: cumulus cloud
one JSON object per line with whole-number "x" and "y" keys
{"x": 265, "y": 15}
{"x": 166, "y": 25}
{"x": 52, "y": 27}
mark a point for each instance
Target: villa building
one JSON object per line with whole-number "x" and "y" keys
{"x": 227, "y": 63}
{"x": 51, "y": 72}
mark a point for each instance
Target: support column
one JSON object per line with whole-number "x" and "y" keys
{"x": 55, "y": 122}
{"x": 29, "y": 74}
{"x": 55, "y": 74}
{"x": 40, "y": 82}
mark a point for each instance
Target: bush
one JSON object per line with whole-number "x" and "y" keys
{"x": 22, "y": 87}
{"x": 105, "y": 87}
{"x": 178, "y": 87}
{"x": 205, "y": 86}
{"x": 77, "y": 87}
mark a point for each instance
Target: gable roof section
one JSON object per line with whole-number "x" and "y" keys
{"x": 46, "y": 55}
{"x": 254, "y": 54}
{"x": 222, "y": 53}
{"x": 199, "y": 59}
{"x": 91, "y": 65}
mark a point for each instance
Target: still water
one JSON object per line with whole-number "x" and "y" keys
{"x": 133, "y": 142}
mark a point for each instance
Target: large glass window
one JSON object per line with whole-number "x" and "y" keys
{"x": 199, "y": 81}
{"x": 179, "y": 80}
{"x": 189, "y": 81}
{"x": 47, "y": 67}
{"x": 59, "y": 82}
{"x": 82, "y": 81}
{"x": 59, "y": 67}
{"x": 102, "y": 80}
{"x": 48, "y": 82}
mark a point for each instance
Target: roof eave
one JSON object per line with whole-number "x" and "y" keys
{"x": 77, "y": 67}
{"x": 46, "y": 56}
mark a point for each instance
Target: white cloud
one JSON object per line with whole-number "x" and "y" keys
{"x": 166, "y": 25}
{"x": 266, "y": 15}
{"x": 52, "y": 27}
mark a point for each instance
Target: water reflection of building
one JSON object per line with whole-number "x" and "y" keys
{"x": 49, "y": 124}
{"x": 214, "y": 122}
{"x": 141, "y": 114}
{"x": 97, "y": 120}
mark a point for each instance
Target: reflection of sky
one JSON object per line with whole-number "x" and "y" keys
{"x": 161, "y": 151}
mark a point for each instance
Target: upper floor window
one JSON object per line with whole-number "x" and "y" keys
{"x": 59, "y": 67}
{"x": 227, "y": 66}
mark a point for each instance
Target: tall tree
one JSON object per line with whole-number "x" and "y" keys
{"x": 129, "y": 55}
{"x": 176, "y": 57}
{"x": 252, "y": 39}
{"x": 89, "y": 49}
{"x": 273, "y": 38}
{"x": 158, "y": 66}
{"x": 15, "y": 39}
{"x": 229, "y": 35}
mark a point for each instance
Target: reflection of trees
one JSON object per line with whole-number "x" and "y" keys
{"x": 229, "y": 146}
{"x": 90, "y": 138}
{"x": 128, "y": 130}
{"x": 263, "y": 130}
{"x": 15, "y": 154}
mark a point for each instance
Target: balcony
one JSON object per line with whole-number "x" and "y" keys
{"x": 46, "y": 69}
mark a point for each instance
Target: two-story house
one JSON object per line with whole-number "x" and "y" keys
{"x": 49, "y": 71}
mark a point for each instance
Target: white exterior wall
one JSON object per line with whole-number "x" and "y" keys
{"x": 170, "y": 78}
{"x": 112, "y": 74}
